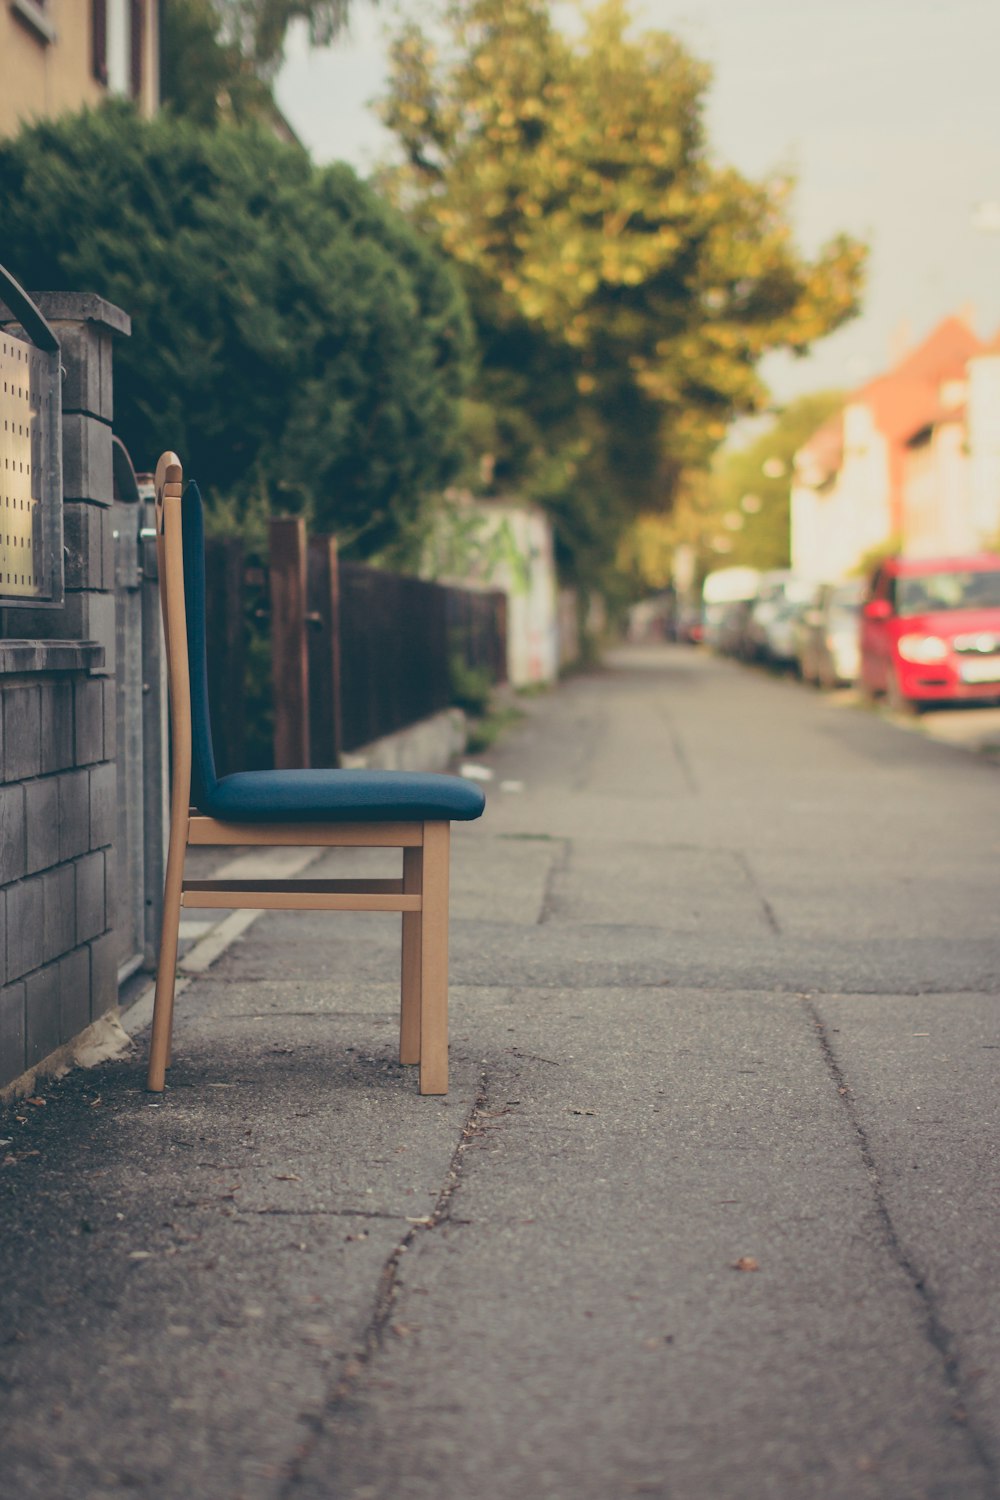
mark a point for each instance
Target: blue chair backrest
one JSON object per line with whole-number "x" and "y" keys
{"x": 203, "y": 775}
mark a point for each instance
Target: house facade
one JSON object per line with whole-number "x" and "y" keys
{"x": 911, "y": 464}
{"x": 57, "y": 56}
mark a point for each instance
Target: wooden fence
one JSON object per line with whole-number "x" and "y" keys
{"x": 355, "y": 652}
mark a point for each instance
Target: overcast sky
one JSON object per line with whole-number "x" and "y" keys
{"x": 888, "y": 112}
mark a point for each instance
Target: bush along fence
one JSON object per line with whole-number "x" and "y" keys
{"x": 356, "y": 653}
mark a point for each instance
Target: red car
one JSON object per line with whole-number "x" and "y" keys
{"x": 930, "y": 631}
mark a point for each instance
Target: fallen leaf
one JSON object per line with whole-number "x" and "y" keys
{"x": 746, "y": 1263}
{"x": 286, "y": 1177}
{"x": 36, "y": 1101}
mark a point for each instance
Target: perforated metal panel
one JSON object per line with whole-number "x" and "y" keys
{"x": 31, "y": 563}
{"x": 21, "y": 545}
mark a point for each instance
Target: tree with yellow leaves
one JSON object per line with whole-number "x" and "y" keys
{"x": 626, "y": 284}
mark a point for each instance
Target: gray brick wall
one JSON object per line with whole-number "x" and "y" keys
{"x": 58, "y": 791}
{"x": 58, "y": 957}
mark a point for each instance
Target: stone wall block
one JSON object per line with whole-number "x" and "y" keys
{"x": 12, "y": 1026}
{"x": 41, "y": 821}
{"x": 103, "y": 807}
{"x": 74, "y": 814}
{"x": 60, "y": 911}
{"x": 103, "y": 974}
{"x": 107, "y": 530}
{"x": 25, "y": 926}
{"x": 13, "y": 847}
{"x": 84, "y": 616}
{"x": 43, "y": 1034}
{"x": 110, "y": 857}
{"x": 77, "y": 547}
{"x": 74, "y": 993}
{"x": 87, "y": 472}
{"x": 22, "y": 732}
{"x": 57, "y": 726}
{"x": 86, "y": 358}
{"x": 90, "y": 897}
{"x": 88, "y": 540}
{"x": 89, "y": 721}
{"x": 102, "y": 628}
{"x": 110, "y": 718}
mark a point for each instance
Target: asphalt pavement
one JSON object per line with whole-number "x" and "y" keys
{"x": 710, "y": 1212}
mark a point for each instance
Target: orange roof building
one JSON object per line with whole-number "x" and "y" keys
{"x": 907, "y": 460}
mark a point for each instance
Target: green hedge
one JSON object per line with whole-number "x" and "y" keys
{"x": 293, "y": 338}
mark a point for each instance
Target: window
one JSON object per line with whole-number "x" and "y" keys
{"x": 936, "y": 593}
{"x": 118, "y": 32}
{"x": 37, "y": 15}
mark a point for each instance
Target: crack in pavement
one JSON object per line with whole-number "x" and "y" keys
{"x": 680, "y": 755}
{"x": 386, "y": 1292}
{"x": 938, "y": 1335}
{"x": 558, "y": 867}
{"x": 743, "y": 860}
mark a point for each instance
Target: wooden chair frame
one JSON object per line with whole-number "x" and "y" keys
{"x": 421, "y": 895}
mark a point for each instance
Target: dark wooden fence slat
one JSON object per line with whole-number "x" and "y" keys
{"x": 289, "y": 656}
{"x": 323, "y": 638}
{"x": 226, "y": 624}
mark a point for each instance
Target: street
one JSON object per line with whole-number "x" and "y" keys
{"x": 710, "y": 1212}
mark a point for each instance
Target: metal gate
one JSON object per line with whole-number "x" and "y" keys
{"x": 141, "y": 722}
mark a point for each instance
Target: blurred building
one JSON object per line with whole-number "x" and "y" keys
{"x": 507, "y": 544}
{"x": 57, "y": 56}
{"x": 912, "y": 461}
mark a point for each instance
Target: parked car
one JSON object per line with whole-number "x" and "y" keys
{"x": 722, "y": 590}
{"x": 689, "y": 628}
{"x": 769, "y": 635}
{"x": 828, "y": 645}
{"x": 930, "y": 631}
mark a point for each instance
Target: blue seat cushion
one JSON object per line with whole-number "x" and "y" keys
{"x": 341, "y": 797}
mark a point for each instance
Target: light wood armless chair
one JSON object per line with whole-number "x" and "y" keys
{"x": 334, "y": 809}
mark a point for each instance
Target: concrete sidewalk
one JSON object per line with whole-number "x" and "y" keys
{"x": 708, "y": 1214}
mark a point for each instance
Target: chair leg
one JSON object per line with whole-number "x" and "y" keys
{"x": 434, "y": 960}
{"x": 166, "y": 973}
{"x": 409, "y": 1007}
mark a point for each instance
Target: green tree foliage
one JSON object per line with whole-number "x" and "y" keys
{"x": 203, "y": 77}
{"x": 292, "y": 337}
{"x": 753, "y": 484}
{"x": 625, "y": 284}
{"x": 258, "y": 27}
{"x": 220, "y": 56}
{"x": 735, "y": 513}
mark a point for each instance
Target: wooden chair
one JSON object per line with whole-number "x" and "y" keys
{"x": 330, "y": 809}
